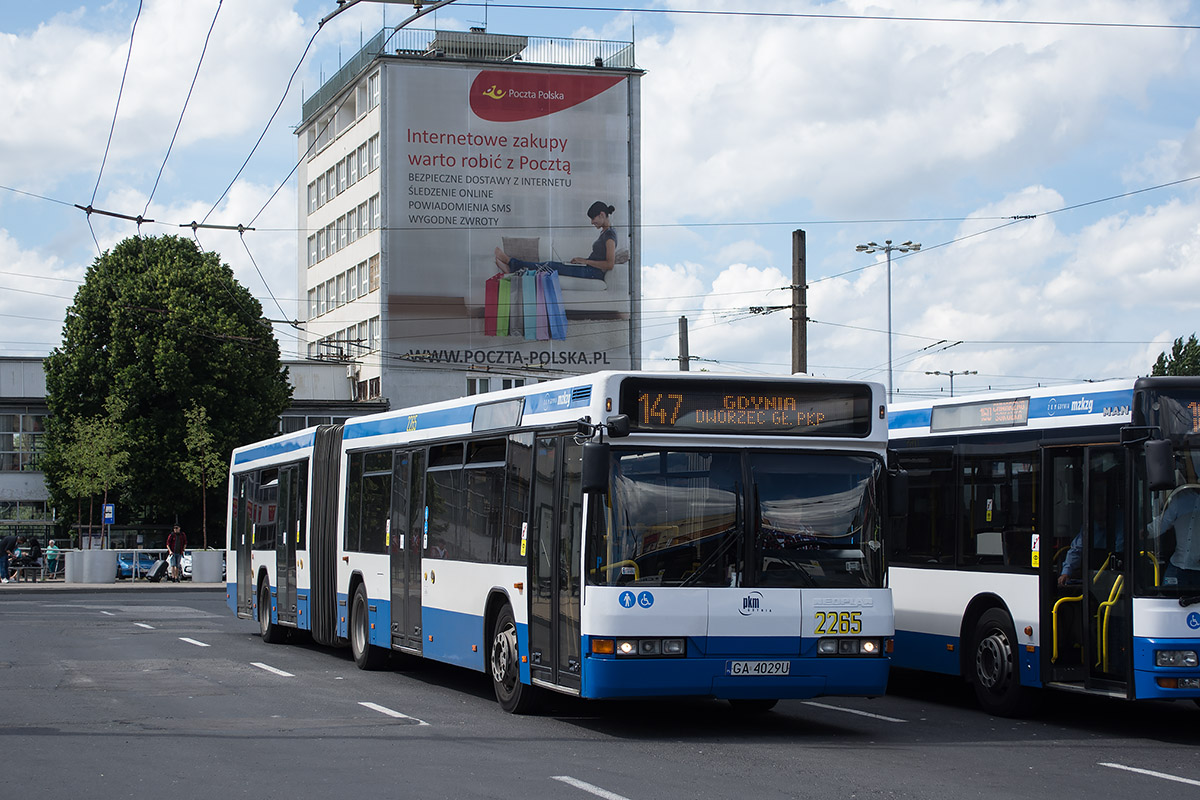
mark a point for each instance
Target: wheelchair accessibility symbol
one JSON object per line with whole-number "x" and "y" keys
{"x": 628, "y": 599}
{"x": 1193, "y": 620}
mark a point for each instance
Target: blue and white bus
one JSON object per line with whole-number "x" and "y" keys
{"x": 611, "y": 535}
{"x": 1048, "y": 540}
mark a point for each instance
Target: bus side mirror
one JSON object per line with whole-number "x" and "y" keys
{"x": 618, "y": 426}
{"x": 1160, "y": 465}
{"x": 898, "y": 493}
{"x": 597, "y": 461}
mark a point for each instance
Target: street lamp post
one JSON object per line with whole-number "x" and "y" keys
{"x": 952, "y": 373}
{"x": 887, "y": 247}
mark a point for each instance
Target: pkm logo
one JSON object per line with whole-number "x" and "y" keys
{"x": 753, "y": 603}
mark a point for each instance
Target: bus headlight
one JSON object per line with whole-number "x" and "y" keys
{"x": 849, "y": 647}
{"x": 645, "y": 648}
{"x": 1175, "y": 658}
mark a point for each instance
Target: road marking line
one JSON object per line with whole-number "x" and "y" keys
{"x": 587, "y": 787}
{"x": 144, "y": 625}
{"x": 1152, "y": 773}
{"x": 853, "y": 711}
{"x": 108, "y": 613}
{"x": 269, "y": 668}
{"x": 193, "y": 641}
{"x": 392, "y": 713}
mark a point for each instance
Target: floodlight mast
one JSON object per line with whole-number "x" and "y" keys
{"x": 887, "y": 247}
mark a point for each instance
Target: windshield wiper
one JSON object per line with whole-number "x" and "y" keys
{"x": 1189, "y": 601}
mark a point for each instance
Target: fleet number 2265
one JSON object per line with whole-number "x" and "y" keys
{"x": 839, "y": 622}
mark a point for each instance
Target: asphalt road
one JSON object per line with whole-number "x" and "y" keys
{"x": 164, "y": 693}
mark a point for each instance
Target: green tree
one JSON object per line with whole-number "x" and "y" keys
{"x": 163, "y": 327}
{"x": 1183, "y": 360}
{"x": 204, "y": 467}
{"x": 97, "y": 452}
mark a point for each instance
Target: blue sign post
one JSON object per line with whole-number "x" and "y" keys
{"x": 110, "y": 513}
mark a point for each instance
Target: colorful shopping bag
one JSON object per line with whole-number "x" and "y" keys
{"x": 491, "y": 299}
{"x": 516, "y": 307}
{"x": 543, "y": 321}
{"x": 529, "y": 297}
{"x": 502, "y": 305}
{"x": 554, "y": 306}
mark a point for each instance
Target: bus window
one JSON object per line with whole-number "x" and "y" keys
{"x": 926, "y": 534}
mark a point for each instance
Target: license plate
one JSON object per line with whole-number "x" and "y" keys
{"x": 758, "y": 667}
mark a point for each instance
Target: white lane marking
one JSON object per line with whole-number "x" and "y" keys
{"x": 108, "y": 613}
{"x": 1152, "y": 773}
{"x": 587, "y": 787}
{"x": 269, "y": 668}
{"x": 193, "y": 641}
{"x": 853, "y": 711}
{"x": 392, "y": 713}
{"x": 144, "y": 625}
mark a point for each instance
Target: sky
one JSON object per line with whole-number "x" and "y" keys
{"x": 1046, "y": 155}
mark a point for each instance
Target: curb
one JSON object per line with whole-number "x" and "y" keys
{"x": 119, "y": 588}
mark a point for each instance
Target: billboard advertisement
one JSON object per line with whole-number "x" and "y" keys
{"x": 509, "y": 205}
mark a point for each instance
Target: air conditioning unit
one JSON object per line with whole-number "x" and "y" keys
{"x": 352, "y": 371}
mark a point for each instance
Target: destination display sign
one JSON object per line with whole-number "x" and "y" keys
{"x": 1007, "y": 413}
{"x": 741, "y": 407}
{"x": 1176, "y": 411}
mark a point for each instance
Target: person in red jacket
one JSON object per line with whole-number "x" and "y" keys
{"x": 176, "y": 544}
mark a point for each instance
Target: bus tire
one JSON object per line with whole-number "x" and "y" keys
{"x": 995, "y": 667}
{"x": 270, "y": 632}
{"x": 505, "y": 662}
{"x": 745, "y": 705}
{"x": 366, "y": 655}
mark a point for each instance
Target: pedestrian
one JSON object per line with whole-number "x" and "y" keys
{"x": 51, "y": 558}
{"x": 8, "y": 551}
{"x": 176, "y": 544}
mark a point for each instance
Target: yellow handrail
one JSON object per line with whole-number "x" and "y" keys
{"x": 1105, "y": 607}
{"x": 1157, "y": 565}
{"x": 626, "y": 563}
{"x": 1054, "y": 619}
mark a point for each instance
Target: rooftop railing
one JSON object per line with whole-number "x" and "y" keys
{"x": 473, "y": 46}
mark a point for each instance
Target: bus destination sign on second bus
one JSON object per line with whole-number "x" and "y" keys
{"x": 712, "y": 407}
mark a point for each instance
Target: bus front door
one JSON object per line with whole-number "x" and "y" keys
{"x": 245, "y": 568}
{"x": 555, "y": 539}
{"x": 1087, "y": 607}
{"x": 405, "y": 543}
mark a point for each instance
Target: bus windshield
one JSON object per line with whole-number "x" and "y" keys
{"x": 724, "y": 518}
{"x": 1168, "y": 559}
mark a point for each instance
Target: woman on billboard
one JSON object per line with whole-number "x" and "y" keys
{"x": 601, "y": 260}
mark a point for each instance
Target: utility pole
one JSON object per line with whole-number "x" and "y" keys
{"x": 683, "y": 345}
{"x": 799, "y": 304}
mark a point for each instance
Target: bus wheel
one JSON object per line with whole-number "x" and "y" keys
{"x": 997, "y": 678}
{"x": 366, "y": 655}
{"x": 270, "y": 632}
{"x": 514, "y": 697}
{"x": 752, "y": 706}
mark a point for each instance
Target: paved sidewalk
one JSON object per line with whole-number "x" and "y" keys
{"x": 23, "y": 587}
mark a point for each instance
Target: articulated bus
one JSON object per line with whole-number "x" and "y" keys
{"x": 1048, "y": 541}
{"x": 611, "y": 535}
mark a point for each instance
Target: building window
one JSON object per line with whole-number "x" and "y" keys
{"x": 331, "y": 182}
{"x": 331, "y": 237}
{"x": 351, "y": 225}
{"x": 312, "y": 303}
{"x": 376, "y": 337}
{"x": 20, "y": 441}
{"x": 312, "y": 250}
{"x": 374, "y": 268}
{"x": 341, "y": 232}
{"x": 352, "y": 169}
{"x": 351, "y": 284}
{"x": 341, "y": 289}
{"x": 341, "y": 176}
{"x": 364, "y": 220}
{"x": 320, "y": 190}
{"x": 374, "y": 211}
{"x": 321, "y": 245}
{"x": 373, "y": 91}
{"x": 373, "y": 147}
{"x": 364, "y": 164}
{"x": 363, "y": 280}
{"x": 312, "y": 197}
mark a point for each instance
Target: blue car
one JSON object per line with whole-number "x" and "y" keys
{"x": 125, "y": 564}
